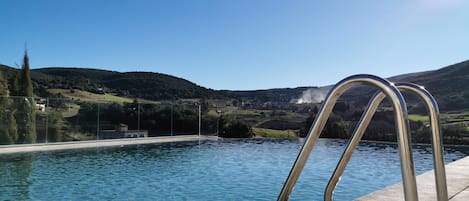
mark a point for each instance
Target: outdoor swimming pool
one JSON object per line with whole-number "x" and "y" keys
{"x": 247, "y": 169}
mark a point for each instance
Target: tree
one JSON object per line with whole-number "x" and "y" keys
{"x": 56, "y": 123}
{"x": 234, "y": 129}
{"x": 204, "y": 107}
{"x": 25, "y": 105}
{"x": 309, "y": 121}
{"x": 25, "y": 83}
{"x": 8, "y": 131}
{"x": 14, "y": 88}
{"x": 5, "y": 137}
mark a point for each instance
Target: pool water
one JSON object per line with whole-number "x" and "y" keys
{"x": 247, "y": 169}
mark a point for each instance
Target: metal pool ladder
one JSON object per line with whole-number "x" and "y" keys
{"x": 386, "y": 89}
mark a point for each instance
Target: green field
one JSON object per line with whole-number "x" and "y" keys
{"x": 416, "y": 117}
{"x": 257, "y": 117}
{"x": 95, "y": 98}
{"x": 263, "y": 132}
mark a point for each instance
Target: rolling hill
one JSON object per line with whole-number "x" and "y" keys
{"x": 449, "y": 85}
{"x": 283, "y": 95}
{"x": 146, "y": 85}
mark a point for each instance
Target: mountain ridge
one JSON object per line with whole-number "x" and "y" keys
{"x": 147, "y": 85}
{"x": 449, "y": 85}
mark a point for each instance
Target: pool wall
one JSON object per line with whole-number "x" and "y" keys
{"x": 101, "y": 143}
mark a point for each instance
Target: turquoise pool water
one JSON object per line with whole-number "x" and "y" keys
{"x": 252, "y": 169}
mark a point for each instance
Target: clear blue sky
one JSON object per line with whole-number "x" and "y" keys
{"x": 239, "y": 44}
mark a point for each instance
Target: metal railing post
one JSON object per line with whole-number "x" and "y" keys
{"x": 437, "y": 145}
{"x": 172, "y": 119}
{"x": 138, "y": 117}
{"x": 97, "y": 125}
{"x": 46, "y": 109}
{"x": 402, "y": 128}
{"x": 200, "y": 118}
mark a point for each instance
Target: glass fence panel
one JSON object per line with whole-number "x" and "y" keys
{"x": 210, "y": 120}
{"x": 41, "y": 125}
{"x": 47, "y": 120}
{"x": 18, "y": 118}
{"x": 8, "y": 132}
{"x": 70, "y": 120}
{"x": 156, "y": 119}
{"x": 120, "y": 120}
{"x": 185, "y": 119}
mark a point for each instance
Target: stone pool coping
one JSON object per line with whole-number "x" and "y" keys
{"x": 11, "y": 149}
{"x": 457, "y": 178}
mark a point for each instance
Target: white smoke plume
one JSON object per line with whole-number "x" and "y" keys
{"x": 313, "y": 95}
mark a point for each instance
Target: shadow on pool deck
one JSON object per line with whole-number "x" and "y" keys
{"x": 10, "y": 149}
{"x": 457, "y": 178}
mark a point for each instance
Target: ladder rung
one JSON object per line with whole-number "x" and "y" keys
{"x": 390, "y": 90}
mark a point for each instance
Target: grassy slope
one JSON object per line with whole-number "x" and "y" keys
{"x": 263, "y": 132}
{"x": 147, "y": 85}
{"x": 448, "y": 85}
{"x": 257, "y": 117}
{"x": 93, "y": 97}
{"x": 416, "y": 117}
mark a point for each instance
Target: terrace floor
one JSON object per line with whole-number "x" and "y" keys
{"x": 457, "y": 178}
{"x": 9, "y": 149}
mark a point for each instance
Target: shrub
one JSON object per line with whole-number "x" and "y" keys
{"x": 234, "y": 129}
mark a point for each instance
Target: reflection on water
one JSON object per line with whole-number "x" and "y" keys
{"x": 228, "y": 169}
{"x": 15, "y": 176}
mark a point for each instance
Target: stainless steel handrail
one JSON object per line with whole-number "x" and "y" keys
{"x": 437, "y": 145}
{"x": 402, "y": 128}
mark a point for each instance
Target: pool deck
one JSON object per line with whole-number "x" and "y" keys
{"x": 10, "y": 149}
{"x": 457, "y": 178}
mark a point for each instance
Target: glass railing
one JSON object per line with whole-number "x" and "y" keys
{"x": 26, "y": 120}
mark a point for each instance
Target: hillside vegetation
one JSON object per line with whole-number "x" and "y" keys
{"x": 145, "y": 85}
{"x": 271, "y": 112}
{"x": 449, "y": 85}
{"x": 86, "y": 96}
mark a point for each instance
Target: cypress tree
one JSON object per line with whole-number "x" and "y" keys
{"x": 26, "y": 115}
{"x": 26, "y": 85}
